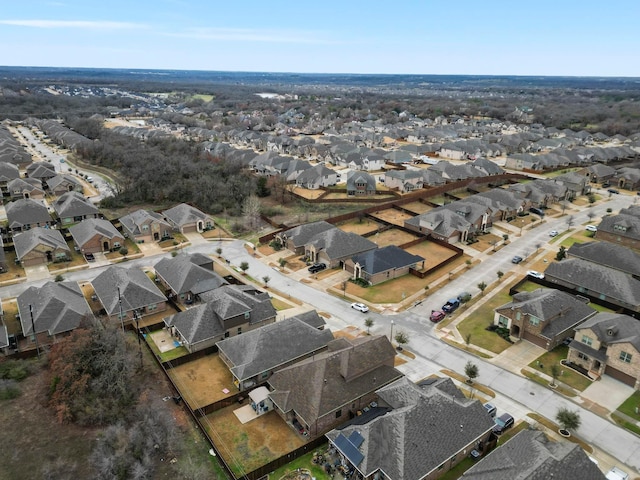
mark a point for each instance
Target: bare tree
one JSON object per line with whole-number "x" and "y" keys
{"x": 251, "y": 211}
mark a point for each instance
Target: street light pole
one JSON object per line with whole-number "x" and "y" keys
{"x": 391, "y": 335}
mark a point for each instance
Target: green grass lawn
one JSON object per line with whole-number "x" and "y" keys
{"x": 317, "y": 471}
{"x": 630, "y": 405}
{"x": 568, "y": 376}
{"x": 476, "y": 325}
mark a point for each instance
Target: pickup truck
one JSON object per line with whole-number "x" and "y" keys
{"x": 451, "y": 305}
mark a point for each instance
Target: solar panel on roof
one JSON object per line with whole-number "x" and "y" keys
{"x": 349, "y": 450}
{"x": 356, "y": 439}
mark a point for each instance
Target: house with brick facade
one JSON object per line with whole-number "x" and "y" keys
{"x": 41, "y": 246}
{"x": 73, "y": 207}
{"x": 186, "y": 218}
{"x": 145, "y": 226}
{"x": 25, "y": 188}
{"x": 326, "y": 390}
{"x": 95, "y": 235}
{"x": 544, "y": 317}
{"x": 608, "y": 344}
{"x": 623, "y": 229}
{"x": 382, "y": 264}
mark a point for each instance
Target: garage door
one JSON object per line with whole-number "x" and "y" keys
{"x": 618, "y": 375}
{"x": 189, "y": 228}
{"x": 541, "y": 342}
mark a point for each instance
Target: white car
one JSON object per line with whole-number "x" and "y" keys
{"x": 534, "y": 274}
{"x": 553, "y": 233}
{"x": 360, "y": 307}
{"x": 591, "y": 228}
{"x": 616, "y": 474}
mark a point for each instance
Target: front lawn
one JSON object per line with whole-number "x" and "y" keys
{"x": 476, "y": 324}
{"x": 567, "y": 376}
{"x": 631, "y": 406}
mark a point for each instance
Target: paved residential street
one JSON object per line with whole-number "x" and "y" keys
{"x": 515, "y": 393}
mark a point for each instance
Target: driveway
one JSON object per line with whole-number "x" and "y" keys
{"x": 37, "y": 272}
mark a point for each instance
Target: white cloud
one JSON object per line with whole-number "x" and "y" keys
{"x": 83, "y": 24}
{"x": 250, "y": 35}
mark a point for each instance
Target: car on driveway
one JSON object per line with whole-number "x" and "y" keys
{"x": 534, "y": 274}
{"x": 317, "y": 267}
{"x": 89, "y": 257}
{"x": 503, "y": 422}
{"x": 491, "y": 409}
{"x": 361, "y": 307}
{"x": 591, "y": 228}
{"x": 553, "y": 233}
{"x": 437, "y": 315}
{"x": 451, "y": 305}
{"x": 517, "y": 259}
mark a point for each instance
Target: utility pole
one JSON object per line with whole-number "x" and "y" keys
{"x": 120, "y": 303}
{"x": 136, "y": 317}
{"x": 33, "y": 329}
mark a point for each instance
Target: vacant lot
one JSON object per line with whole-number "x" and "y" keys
{"x": 417, "y": 207}
{"x": 360, "y": 226}
{"x": 391, "y": 215}
{"x": 393, "y": 236}
{"x": 247, "y": 446}
{"x": 202, "y": 381}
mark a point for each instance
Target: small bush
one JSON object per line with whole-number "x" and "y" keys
{"x": 16, "y": 370}
{"x": 276, "y": 245}
{"x": 8, "y": 390}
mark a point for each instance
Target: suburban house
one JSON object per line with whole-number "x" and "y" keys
{"x": 623, "y": 228}
{"x": 8, "y": 172}
{"x": 316, "y": 177}
{"x": 326, "y": 390}
{"x": 146, "y": 226}
{"x": 186, "y": 219}
{"x": 40, "y": 246}
{"x": 254, "y": 356}
{"x": 544, "y": 317}
{"x": 126, "y": 293}
{"x": 531, "y": 455}
{"x": 381, "y": 264}
{"x": 226, "y": 311}
{"x": 43, "y": 171}
{"x": 404, "y": 180}
{"x": 413, "y": 432}
{"x": 184, "y": 277}
{"x": 596, "y": 281}
{"x": 25, "y": 188}
{"x": 95, "y": 235}
{"x": 53, "y": 309}
{"x": 72, "y": 207}
{"x": 360, "y": 184}
{"x": 334, "y": 247}
{"x": 607, "y": 254}
{"x": 442, "y": 224}
{"x": 599, "y": 173}
{"x": 63, "y": 183}
{"x": 608, "y": 344}
{"x": 26, "y": 213}
{"x": 296, "y": 238}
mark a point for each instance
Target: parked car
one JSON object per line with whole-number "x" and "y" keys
{"x": 534, "y": 274}
{"x": 517, "y": 259}
{"x": 451, "y": 305}
{"x": 613, "y": 190}
{"x": 491, "y": 409}
{"x": 360, "y": 307}
{"x": 317, "y": 267}
{"x": 464, "y": 297}
{"x": 616, "y": 474}
{"x": 437, "y": 315}
{"x": 591, "y": 228}
{"x": 537, "y": 211}
{"x": 89, "y": 257}
{"x": 553, "y": 233}
{"x": 503, "y": 422}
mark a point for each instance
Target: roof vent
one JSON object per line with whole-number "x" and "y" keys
{"x": 611, "y": 331}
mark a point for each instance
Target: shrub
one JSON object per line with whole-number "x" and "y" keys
{"x": 276, "y": 245}
{"x": 8, "y": 389}
{"x": 16, "y": 370}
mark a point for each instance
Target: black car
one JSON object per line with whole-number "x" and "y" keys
{"x": 89, "y": 257}
{"x": 517, "y": 259}
{"x": 317, "y": 267}
{"x": 613, "y": 190}
{"x": 503, "y": 422}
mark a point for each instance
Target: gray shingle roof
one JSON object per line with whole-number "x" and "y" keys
{"x": 60, "y": 179}
{"x": 26, "y": 211}
{"x": 386, "y": 258}
{"x": 300, "y": 235}
{"x": 614, "y": 328}
{"x": 441, "y": 221}
{"x": 349, "y": 370}
{"x": 8, "y": 171}
{"x": 137, "y": 290}
{"x": 183, "y": 275}
{"x": 87, "y": 229}
{"x": 608, "y": 254}
{"x": 338, "y": 244}
{"x": 612, "y": 224}
{"x": 30, "y": 239}
{"x": 268, "y": 347}
{"x": 184, "y": 214}
{"x": 134, "y": 220}
{"x": 530, "y": 455}
{"x": 74, "y": 204}
{"x": 424, "y": 429}
{"x": 56, "y": 306}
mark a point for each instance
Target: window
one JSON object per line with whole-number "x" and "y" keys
{"x": 145, "y": 228}
{"x": 247, "y": 315}
{"x": 264, "y": 375}
{"x": 503, "y": 321}
{"x": 625, "y": 357}
{"x": 582, "y": 356}
{"x": 587, "y": 340}
{"x": 239, "y": 331}
{"x": 338, "y": 413}
{"x": 533, "y": 320}
{"x": 518, "y": 314}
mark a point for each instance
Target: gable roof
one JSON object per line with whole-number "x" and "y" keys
{"x": 8, "y": 171}
{"x": 56, "y": 307}
{"x": 272, "y": 345}
{"x": 26, "y": 241}
{"x": 184, "y": 214}
{"x": 74, "y": 204}
{"x": 26, "y": 211}
{"x": 622, "y": 225}
{"x": 425, "y": 427}
{"x": 441, "y": 221}
{"x": 59, "y": 179}
{"x": 24, "y": 185}
{"x": 183, "y": 275}
{"x": 612, "y": 328}
{"x": 87, "y": 229}
{"x": 385, "y": 258}
{"x": 348, "y": 370}
{"x": 530, "y": 455}
{"x": 338, "y": 244}
{"x": 299, "y": 236}
{"x": 135, "y": 220}
{"x": 608, "y": 254}
{"x": 130, "y": 285}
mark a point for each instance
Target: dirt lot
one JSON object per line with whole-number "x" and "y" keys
{"x": 432, "y": 253}
{"x": 201, "y": 381}
{"x": 360, "y": 227}
{"x": 391, "y": 215}
{"x": 392, "y": 236}
{"x": 247, "y": 446}
{"x": 485, "y": 242}
{"x": 418, "y": 207}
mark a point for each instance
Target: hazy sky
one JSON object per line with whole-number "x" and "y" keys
{"x": 484, "y": 37}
